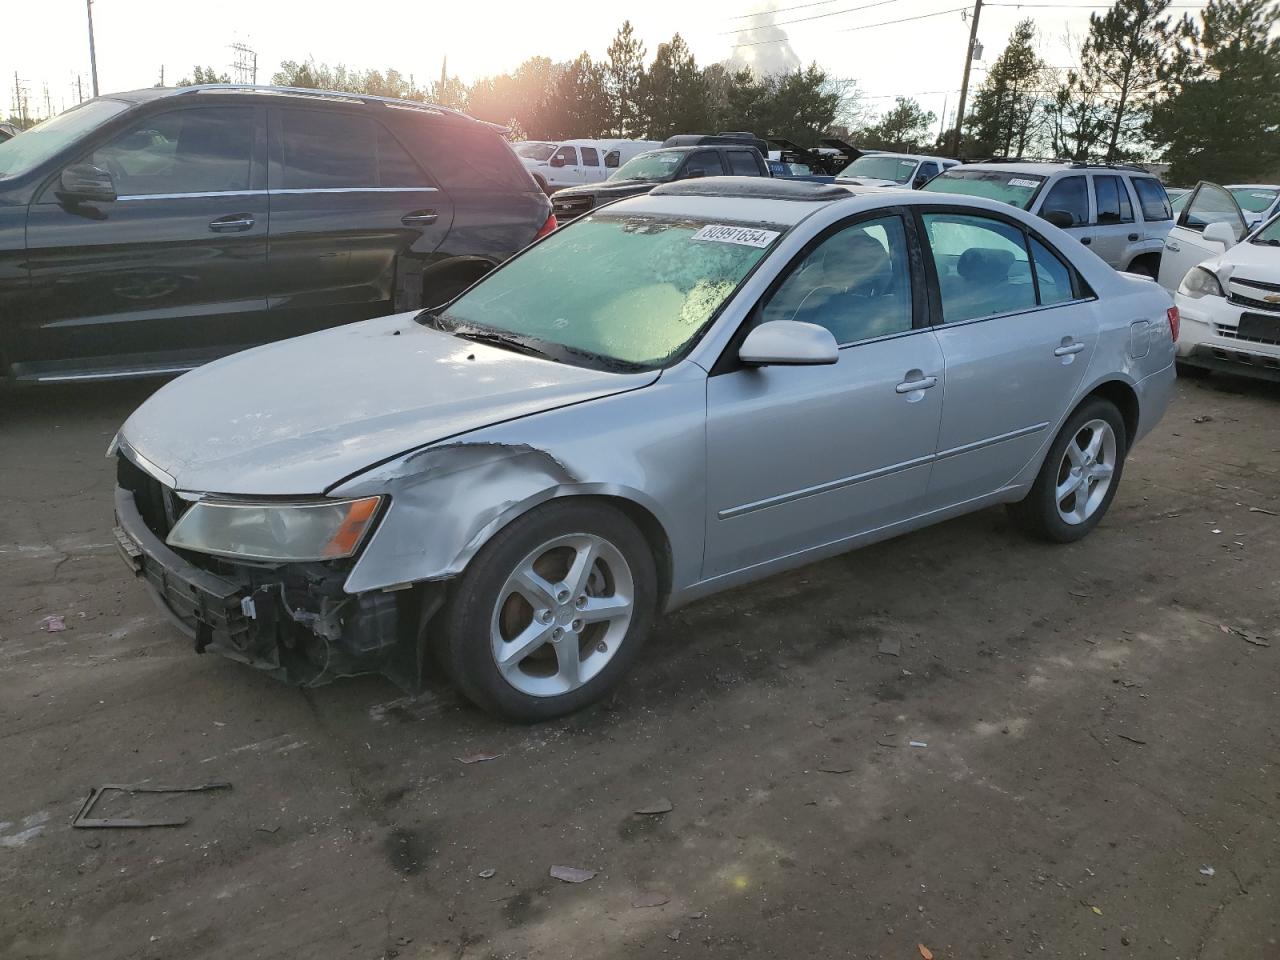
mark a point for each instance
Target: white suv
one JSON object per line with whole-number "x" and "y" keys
{"x": 1119, "y": 212}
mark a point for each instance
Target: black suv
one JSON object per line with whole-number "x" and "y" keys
{"x": 681, "y": 157}
{"x": 149, "y": 232}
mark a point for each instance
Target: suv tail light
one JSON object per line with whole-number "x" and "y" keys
{"x": 1174, "y": 322}
{"x": 551, "y": 224}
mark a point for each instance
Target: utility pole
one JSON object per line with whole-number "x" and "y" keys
{"x": 93, "y": 56}
{"x": 79, "y": 88}
{"x": 964, "y": 83}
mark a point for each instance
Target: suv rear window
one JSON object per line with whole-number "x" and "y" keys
{"x": 468, "y": 156}
{"x": 1152, "y": 199}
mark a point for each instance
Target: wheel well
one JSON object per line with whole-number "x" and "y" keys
{"x": 1125, "y": 400}
{"x": 1149, "y": 260}
{"x": 442, "y": 282}
{"x": 653, "y": 533}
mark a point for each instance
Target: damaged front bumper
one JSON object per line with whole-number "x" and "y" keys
{"x": 293, "y": 621}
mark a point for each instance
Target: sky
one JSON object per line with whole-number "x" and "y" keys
{"x": 921, "y": 57}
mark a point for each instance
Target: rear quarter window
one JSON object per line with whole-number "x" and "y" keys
{"x": 1152, "y": 199}
{"x": 462, "y": 155}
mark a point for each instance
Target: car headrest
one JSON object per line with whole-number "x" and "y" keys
{"x": 853, "y": 259}
{"x": 985, "y": 264}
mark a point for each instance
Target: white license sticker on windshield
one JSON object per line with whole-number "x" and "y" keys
{"x": 744, "y": 236}
{"x": 1016, "y": 182}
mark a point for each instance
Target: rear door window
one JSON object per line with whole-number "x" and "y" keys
{"x": 196, "y": 150}
{"x": 1152, "y": 199}
{"x": 742, "y": 164}
{"x": 982, "y": 264}
{"x": 1071, "y": 196}
{"x": 707, "y": 162}
{"x": 326, "y": 150}
{"x": 1053, "y": 276}
{"x": 1112, "y": 200}
{"x": 590, "y": 157}
{"x": 395, "y": 167}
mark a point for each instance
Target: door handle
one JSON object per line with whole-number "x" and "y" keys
{"x": 911, "y": 386}
{"x": 1086, "y": 240}
{"x": 1067, "y": 349}
{"x": 419, "y": 217}
{"x": 232, "y": 223}
{"x": 1172, "y": 246}
{"x": 1135, "y": 236}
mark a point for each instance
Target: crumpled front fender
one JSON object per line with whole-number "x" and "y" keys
{"x": 447, "y": 501}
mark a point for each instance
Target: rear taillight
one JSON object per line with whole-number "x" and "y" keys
{"x": 1174, "y": 322}
{"x": 551, "y": 224}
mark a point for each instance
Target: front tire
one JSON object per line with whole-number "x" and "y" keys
{"x": 551, "y": 613}
{"x": 1079, "y": 477}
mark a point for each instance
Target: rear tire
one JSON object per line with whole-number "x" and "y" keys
{"x": 551, "y": 613}
{"x": 1079, "y": 476}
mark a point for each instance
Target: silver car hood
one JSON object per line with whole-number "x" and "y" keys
{"x": 297, "y": 416}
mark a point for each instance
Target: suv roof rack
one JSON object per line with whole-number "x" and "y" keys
{"x": 738, "y": 139}
{"x": 319, "y": 94}
{"x": 1119, "y": 165}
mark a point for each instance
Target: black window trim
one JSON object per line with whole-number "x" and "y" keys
{"x": 728, "y": 361}
{"x": 1081, "y": 292}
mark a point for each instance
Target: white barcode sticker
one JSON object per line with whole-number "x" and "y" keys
{"x": 1016, "y": 182}
{"x": 744, "y": 236}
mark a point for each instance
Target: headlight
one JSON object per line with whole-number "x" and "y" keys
{"x": 325, "y": 530}
{"x": 1200, "y": 282}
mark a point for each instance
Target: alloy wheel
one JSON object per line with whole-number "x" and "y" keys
{"x": 562, "y": 614}
{"x": 1086, "y": 472}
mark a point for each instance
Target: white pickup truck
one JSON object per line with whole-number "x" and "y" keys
{"x": 570, "y": 163}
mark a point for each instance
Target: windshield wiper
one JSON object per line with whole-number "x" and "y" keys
{"x": 504, "y": 340}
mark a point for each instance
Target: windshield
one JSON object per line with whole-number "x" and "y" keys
{"x": 652, "y": 286}
{"x": 1268, "y": 236}
{"x": 534, "y": 150}
{"x": 1253, "y": 199}
{"x": 1016, "y": 189}
{"x": 873, "y": 167}
{"x": 42, "y": 141}
{"x": 655, "y": 165}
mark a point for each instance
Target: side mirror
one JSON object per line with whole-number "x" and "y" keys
{"x": 789, "y": 343}
{"x": 1220, "y": 232}
{"x": 85, "y": 183}
{"x": 1059, "y": 218}
{"x": 556, "y": 161}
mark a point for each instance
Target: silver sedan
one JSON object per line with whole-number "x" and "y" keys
{"x": 678, "y": 394}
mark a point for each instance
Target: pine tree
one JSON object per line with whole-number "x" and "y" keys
{"x": 673, "y": 92}
{"x": 1007, "y": 109}
{"x": 581, "y": 100}
{"x": 1222, "y": 84}
{"x": 624, "y": 70}
{"x": 1122, "y": 57}
{"x": 905, "y": 127}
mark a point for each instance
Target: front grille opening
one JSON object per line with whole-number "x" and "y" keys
{"x": 158, "y": 504}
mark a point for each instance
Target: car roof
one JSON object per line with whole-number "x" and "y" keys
{"x": 148, "y": 94}
{"x": 905, "y": 156}
{"x": 1045, "y": 168}
{"x": 1250, "y": 186}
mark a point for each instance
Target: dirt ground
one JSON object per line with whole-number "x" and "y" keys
{"x": 1075, "y": 750}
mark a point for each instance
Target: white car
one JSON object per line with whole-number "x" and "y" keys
{"x": 1258, "y": 201}
{"x": 570, "y": 163}
{"x": 1230, "y": 305}
{"x": 893, "y": 170}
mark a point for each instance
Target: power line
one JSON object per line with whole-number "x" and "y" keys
{"x": 816, "y": 16}
{"x": 798, "y": 6}
{"x": 1085, "y": 6}
{"x": 865, "y": 26}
